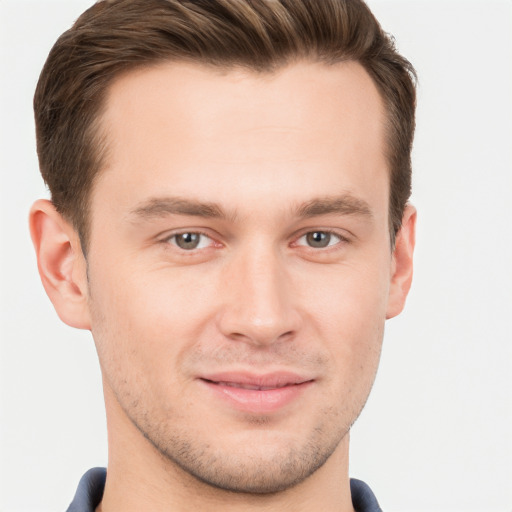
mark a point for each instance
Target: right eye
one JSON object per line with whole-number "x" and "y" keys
{"x": 190, "y": 241}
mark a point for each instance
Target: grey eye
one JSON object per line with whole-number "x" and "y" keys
{"x": 188, "y": 241}
{"x": 318, "y": 239}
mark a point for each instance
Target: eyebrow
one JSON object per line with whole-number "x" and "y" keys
{"x": 345, "y": 204}
{"x": 162, "y": 207}
{"x": 340, "y": 205}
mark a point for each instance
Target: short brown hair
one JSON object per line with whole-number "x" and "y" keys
{"x": 115, "y": 36}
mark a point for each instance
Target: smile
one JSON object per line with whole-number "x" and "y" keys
{"x": 256, "y": 394}
{"x": 249, "y": 386}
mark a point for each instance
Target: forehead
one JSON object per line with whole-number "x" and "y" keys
{"x": 180, "y": 125}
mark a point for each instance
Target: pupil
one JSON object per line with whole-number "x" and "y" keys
{"x": 318, "y": 239}
{"x": 188, "y": 240}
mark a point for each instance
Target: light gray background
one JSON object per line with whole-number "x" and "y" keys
{"x": 436, "y": 434}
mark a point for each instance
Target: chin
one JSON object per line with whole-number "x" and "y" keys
{"x": 262, "y": 462}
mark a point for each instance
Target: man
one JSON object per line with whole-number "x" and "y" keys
{"x": 229, "y": 218}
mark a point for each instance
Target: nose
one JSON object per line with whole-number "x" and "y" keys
{"x": 258, "y": 304}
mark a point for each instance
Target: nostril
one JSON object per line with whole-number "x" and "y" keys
{"x": 259, "y": 322}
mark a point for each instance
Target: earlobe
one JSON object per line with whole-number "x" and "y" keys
{"x": 402, "y": 265}
{"x": 61, "y": 263}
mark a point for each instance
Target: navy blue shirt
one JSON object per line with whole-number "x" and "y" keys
{"x": 90, "y": 492}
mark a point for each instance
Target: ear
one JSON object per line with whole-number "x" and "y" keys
{"x": 61, "y": 263}
{"x": 401, "y": 268}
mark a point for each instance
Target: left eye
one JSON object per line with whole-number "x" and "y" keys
{"x": 319, "y": 239}
{"x": 190, "y": 241}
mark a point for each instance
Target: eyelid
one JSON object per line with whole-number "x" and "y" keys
{"x": 333, "y": 232}
{"x": 168, "y": 236}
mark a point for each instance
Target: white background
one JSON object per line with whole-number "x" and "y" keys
{"x": 436, "y": 434}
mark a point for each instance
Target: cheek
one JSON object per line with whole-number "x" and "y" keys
{"x": 347, "y": 310}
{"x": 146, "y": 320}
{"x": 347, "y": 298}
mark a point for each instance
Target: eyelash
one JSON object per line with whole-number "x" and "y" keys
{"x": 172, "y": 240}
{"x": 169, "y": 240}
{"x": 340, "y": 239}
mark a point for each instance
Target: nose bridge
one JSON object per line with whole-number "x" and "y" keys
{"x": 258, "y": 307}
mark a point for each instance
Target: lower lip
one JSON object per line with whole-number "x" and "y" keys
{"x": 257, "y": 401}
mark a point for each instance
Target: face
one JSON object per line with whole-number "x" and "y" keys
{"x": 239, "y": 264}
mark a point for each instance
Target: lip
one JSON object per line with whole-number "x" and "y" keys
{"x": 256, "y": 393}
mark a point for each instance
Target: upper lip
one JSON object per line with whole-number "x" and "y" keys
{"x": 263, "y": 381}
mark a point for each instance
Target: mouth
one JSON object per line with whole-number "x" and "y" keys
{"x": 257, "y": 394}
{"x": 249, "y": 386}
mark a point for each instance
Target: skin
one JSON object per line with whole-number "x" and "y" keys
{"x": 270, "y": 160}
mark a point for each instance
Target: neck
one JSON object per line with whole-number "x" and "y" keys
{"x": 139, "y": 477}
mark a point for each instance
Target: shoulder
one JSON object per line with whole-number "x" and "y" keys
{"x": 90, "y": 491}
{"x": 363, "y": 498}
